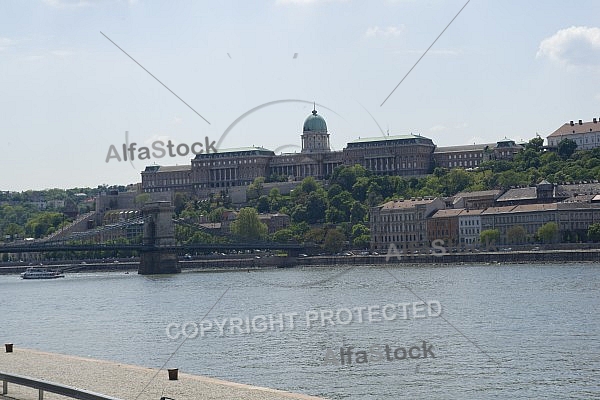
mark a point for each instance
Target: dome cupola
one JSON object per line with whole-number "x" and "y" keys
{"x": 315, "y": 123}
{"x": 315, "y": 138}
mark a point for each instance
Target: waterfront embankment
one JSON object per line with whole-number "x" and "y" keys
{"x": 123, "y": 381}
{"x": 230, "y": 263}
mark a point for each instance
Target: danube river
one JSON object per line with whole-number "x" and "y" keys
{"x": 489, "y": 331}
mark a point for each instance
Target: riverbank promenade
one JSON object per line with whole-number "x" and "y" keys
{"x": 122, "y": 381}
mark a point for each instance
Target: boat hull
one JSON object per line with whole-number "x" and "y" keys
{"x": 42, "y": 277}
{"x": 41, "y": 273}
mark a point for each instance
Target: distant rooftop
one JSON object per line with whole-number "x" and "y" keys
{"x": 526, "y": 193}
{"x": 465, "y": 147}
{"x": 384, "y": 139}
{"x": 479, "y": 193}
{"x": 238, "y": 150}
{"x": 396, "y": 204}
{"x": 577, "y": 127}
{"x": 167, "y": 168}
{"x": 447, "y": 213}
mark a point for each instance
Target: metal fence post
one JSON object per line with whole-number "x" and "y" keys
{"x": 4, "y": 387}
{"x": 41, "y": 394}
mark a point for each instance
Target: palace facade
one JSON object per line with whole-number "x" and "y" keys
{"x": 404, "y": 155}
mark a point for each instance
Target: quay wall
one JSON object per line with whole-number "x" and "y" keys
{"x": 515, "y": 257}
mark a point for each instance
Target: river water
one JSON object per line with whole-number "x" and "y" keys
{"x": 503, "y": 331}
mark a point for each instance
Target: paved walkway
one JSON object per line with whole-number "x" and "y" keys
{"x": 122, "y": 380}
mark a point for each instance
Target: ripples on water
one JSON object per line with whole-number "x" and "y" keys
{"x": 537, "y": 327}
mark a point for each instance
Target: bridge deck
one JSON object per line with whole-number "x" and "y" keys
{"x": 122, "y": 381}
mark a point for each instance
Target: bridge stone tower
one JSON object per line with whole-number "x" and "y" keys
{"x": 159, "y": 235}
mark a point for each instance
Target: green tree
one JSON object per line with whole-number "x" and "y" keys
{"x": 536, "y": 144}
{"x": 299, "y": 213}
{"x": 255, "y": 189}
{"x": 358, "y": 212}
{"x": 362, "y": 241}
{"x": 142, "y": 199}
{"x": 283, "y": 235}
{"x": 316, "y": 205}
{"x": 359, "y": 189}
{"x": 343, "y": 203}
{"x": 361, "y": 236}
{"x": 360, "y": 229}
{"x": 334, "y": 240}
{"x": 315, "y": 235}
{"x": 334, "y": 215}
{"x": 489, "y": 236}
{"x": 593, "y": 232}
{"x": 216, "y": 215}
{"x": 308, "y": 185}
{"x": 346, "y": 176}
{"x": 13, "y": 230}
{"x": 299, "y": 230}
{"x": 566, "y": 148}
{"x": 547, "y": 233}
{"x": 247, "y": 225}
{"x": 262, "y": 204}
{"x": 44, "y": 223}
{"x": 179, "y": 202}
{"x": 276, "y": 201}
{"x": 516, "y": 234}
{"x": 457, "y": 180}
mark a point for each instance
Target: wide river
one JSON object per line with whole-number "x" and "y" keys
{"x": 489, "y": 331}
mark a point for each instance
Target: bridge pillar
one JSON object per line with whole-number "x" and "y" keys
{"x": 159, "y": 232}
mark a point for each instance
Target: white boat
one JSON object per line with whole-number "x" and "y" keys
{"x": 41, "y": 273}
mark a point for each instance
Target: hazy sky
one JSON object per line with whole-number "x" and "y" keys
{"x": 507, "y": 68}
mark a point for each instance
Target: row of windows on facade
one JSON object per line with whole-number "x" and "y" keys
{"x": 470, "y": 155}
{"x": 399, "y": 228}
{"x": 254, "y": 160}
{"x": 162, "y": 182}
{"x": 543, "y": 217}
{"x": 595, "y": 139}
{"x": 397, "y": 217}
{"x": 471, "y": 163}
{"x": 230, "y": 162}
{"x": 400, "y": 238}
{"x": 404, "y": 165}
{"x": 417, "y": 151}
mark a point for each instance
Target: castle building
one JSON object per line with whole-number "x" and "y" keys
{"x": 406, "y": 155}
{"x": 585, "y": 134}
{"x": 471, "y": 156}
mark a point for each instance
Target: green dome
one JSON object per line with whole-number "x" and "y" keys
{"x": 314, "y": 123}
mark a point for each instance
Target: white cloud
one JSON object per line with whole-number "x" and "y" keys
{"x": 390, "y": 31}
{"x": 437, "y": 128}
{"x": 574, "y": 46}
